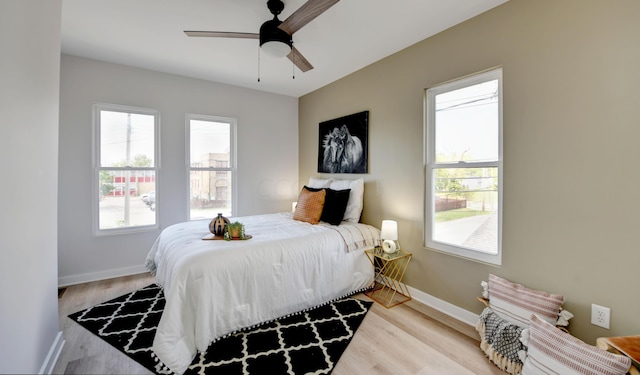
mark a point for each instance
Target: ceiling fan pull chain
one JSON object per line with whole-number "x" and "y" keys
{"x": 258, "y": 63}
{"x": 293, "y": 68}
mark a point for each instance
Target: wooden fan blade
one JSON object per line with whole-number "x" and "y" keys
{"x": 222, "y": 34}
{"x": 305, "y": 14}
{"x": 298, "y": 60}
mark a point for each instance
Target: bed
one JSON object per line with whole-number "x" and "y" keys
{"x": 214, "y": 288}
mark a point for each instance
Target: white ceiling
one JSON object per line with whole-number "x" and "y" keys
{"x": 349, "y": 36}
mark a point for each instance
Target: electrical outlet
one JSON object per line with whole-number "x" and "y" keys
{"x": 600, "y": 316}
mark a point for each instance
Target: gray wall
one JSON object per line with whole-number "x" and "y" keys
{"x": 571, "y": 131}
{"x": 29, "y": 95}
{"x": 267, "y": 151}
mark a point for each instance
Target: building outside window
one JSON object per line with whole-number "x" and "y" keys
{"x": 126, "y": 166}
{"x": 463, "y": 143}
{"x": 212, "y": 166}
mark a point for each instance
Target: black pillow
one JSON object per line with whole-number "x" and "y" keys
{"x": 335, "y": 204}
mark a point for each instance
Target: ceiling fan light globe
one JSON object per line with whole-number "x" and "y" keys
{"x": 276, "y": 48}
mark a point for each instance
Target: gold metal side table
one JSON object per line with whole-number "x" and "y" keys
{"x": 388, "y": 288}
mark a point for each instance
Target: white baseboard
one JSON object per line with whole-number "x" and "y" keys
{"x": 52, "y": 357}
{"x": 101, "y": 275}
{"x": 445, "y": 307}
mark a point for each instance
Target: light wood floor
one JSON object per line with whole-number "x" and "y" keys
{"x": 405, "y": 339}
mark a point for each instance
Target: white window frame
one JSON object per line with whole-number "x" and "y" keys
{"x": 97, "y": 108}
{"x": 430, "y": 166}
{"x": 232, "y": 167}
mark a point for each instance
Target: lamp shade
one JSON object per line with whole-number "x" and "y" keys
{"x": 276, "y": 48}
{"x": 389, "y": 230}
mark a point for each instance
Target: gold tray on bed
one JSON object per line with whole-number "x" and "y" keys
{"x": 211, "y": 236}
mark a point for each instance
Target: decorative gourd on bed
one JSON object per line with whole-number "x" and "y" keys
{"x": 218, "y": 224}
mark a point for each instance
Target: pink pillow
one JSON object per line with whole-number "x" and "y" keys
{"x": 553, "y": 351}
{"x": 516, "y": 303}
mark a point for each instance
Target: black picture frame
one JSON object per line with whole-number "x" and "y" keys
{"x": 343, "y": 144}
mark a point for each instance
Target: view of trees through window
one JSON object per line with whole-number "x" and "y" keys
{"x": 464, "y": 164}
{"x": 126, "y": 167}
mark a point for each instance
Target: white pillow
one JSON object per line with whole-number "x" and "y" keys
{"x": 356, "y": 197}
{"x": 319, "y": 183}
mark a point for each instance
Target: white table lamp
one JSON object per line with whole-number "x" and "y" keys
{"x": 389, "y": 235}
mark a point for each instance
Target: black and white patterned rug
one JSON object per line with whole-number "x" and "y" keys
{"x": 309, "y": 342}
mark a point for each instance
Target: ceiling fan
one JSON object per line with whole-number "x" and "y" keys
{"x": 276, "y": 36}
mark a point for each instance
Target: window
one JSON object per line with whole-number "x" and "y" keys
{"x": 126, "y": 166}
{"x": 463, "y": 143}
{"x": 212, "y": 166}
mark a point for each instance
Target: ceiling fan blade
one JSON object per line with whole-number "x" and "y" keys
{"x": 298, "y": 60}
{"x": 222, "y": 34}
{"x": 305, "y": 14}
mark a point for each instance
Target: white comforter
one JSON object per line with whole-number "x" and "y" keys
{"x": 213, "y": 288}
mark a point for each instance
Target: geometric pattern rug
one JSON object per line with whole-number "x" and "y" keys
{"x": 311, "y": 341}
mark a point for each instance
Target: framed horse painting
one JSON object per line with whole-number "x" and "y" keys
{"x": 342, "y": 144}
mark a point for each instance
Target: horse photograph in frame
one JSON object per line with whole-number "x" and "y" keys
{"x": 342, "y": 144}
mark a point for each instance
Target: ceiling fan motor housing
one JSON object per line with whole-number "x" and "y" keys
{"x": 269, "y": 32}
{"x": 275, "y": 6}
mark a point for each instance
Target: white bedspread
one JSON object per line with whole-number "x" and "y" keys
{"x": 213, "y": 288}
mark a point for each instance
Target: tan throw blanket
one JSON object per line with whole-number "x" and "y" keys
{"x": 357, "y": 236}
